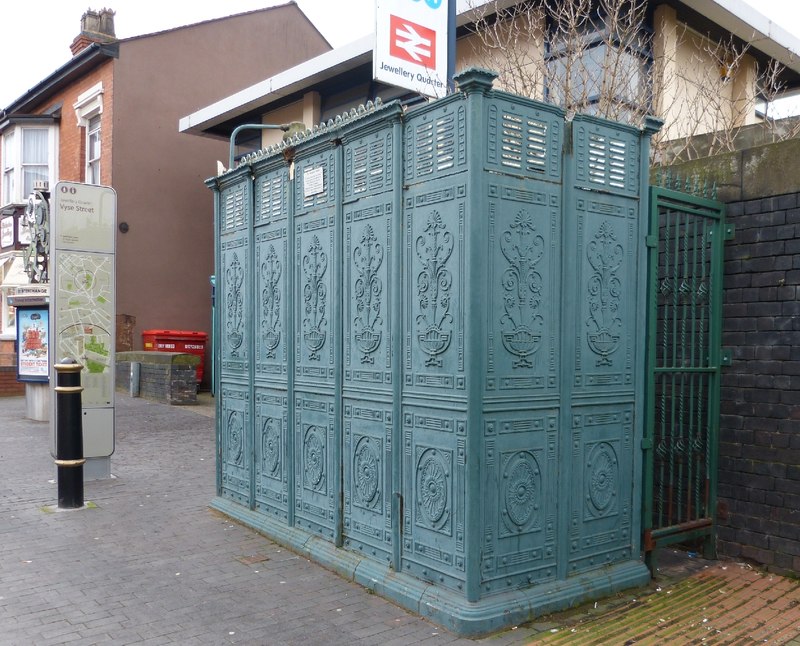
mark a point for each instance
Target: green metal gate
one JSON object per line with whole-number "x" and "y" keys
{"x": 684, "y": 357}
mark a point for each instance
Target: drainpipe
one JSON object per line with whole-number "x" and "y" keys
{"x": 252, "y": 126}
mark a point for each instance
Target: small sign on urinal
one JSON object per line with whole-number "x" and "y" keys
{"x": 313, "y": 181}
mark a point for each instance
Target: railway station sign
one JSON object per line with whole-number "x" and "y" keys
{"x": 411, "y": 45}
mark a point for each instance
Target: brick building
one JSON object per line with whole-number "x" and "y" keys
{"x": 109, "y": 117}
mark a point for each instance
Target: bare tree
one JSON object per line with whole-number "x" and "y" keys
{"x": 770, "y": 88}
{"x": 713, "y": 100}
{"x": 599, "y": 57}
{"x": 581, "y": 55}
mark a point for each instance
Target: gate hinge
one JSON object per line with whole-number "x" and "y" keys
{"x": 730, "y": 231}
{"x": 651, "y": 241}
{"x": 647, "y": 443}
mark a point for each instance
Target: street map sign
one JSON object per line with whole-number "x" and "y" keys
{"x": 83, "y": 296}
{"x": 411, "y": 45}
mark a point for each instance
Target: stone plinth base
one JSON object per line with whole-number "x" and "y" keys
{"x": 442, "y": 606}
{"x": 37, "y": 402}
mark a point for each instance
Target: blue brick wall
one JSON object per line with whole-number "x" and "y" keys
{"x": 759, "y": 467}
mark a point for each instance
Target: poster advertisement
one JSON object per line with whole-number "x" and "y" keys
{"x": 33, "y": 344}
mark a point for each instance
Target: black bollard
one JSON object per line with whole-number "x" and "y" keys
{"x": 69, "y": 434}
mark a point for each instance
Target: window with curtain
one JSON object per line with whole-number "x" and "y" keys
{"x": 28, "y": 157}
{"x": 93, "y": 151}
{"x": 35, "y": 165}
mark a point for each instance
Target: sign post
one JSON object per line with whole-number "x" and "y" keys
{"x": 83, "y": 243}
{"x": 412, "y": 44}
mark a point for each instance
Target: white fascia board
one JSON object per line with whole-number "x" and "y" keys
{"x": 282, "y": 84}
{"x": 742, "y": 20}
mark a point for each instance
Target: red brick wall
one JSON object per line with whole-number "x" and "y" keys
{"x": 8, "y": 352}
{"x": 9, "y": 386}
{"x": 71, "y": 153}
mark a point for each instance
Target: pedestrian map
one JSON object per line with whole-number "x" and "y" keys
{"x": 85, "y": 316}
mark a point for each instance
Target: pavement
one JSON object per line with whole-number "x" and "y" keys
{"x": 147, "y": 562}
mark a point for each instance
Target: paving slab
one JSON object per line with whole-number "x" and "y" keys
{"x": 150, "y": 563}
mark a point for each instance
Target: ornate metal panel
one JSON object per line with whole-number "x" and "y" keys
{"x": 369, "y": 287}
{"x": 368, "y": 164}
{"x": 236, "y": 449}
{"x": 315, "y": 182}
{"x": 607, "y": 247}
{"x": 316, "y": 468}
{"x": 315, "y": 257}
{"x": 271, "y": 301}
{"x": 523, "y": 138}
{"x": 434, "y": 494}
{"x": 233, "y": 281}
{"x": 317, "y": 432}
{"x": 235, "y": 206}
{"x": 234, "y": 422}
{"x": 271, "y": 195}
{"x": 270, "y": 458}
{"x": 434, "y": 317}
{"x": 435, "y": 143}
{"x": 368, "y": 478}
{"x": 601, "y": 497}
{"x": 524, "y": 284}
{"x": 271, "y": 275}
{"x": 607, "y": 158}
{"x": 521, "y": 497}
{"x": 606, "y": 343}
{"x": 522, "y": 482}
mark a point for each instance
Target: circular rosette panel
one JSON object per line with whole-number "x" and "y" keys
{"x": 602, "y": 479}
{"x": 433, "y": 499}
{"x": 314, "y": 458}
{"x": 366, "y": 473}
{"x": 521, "y": 492}
{"x": 270, "y": 446}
